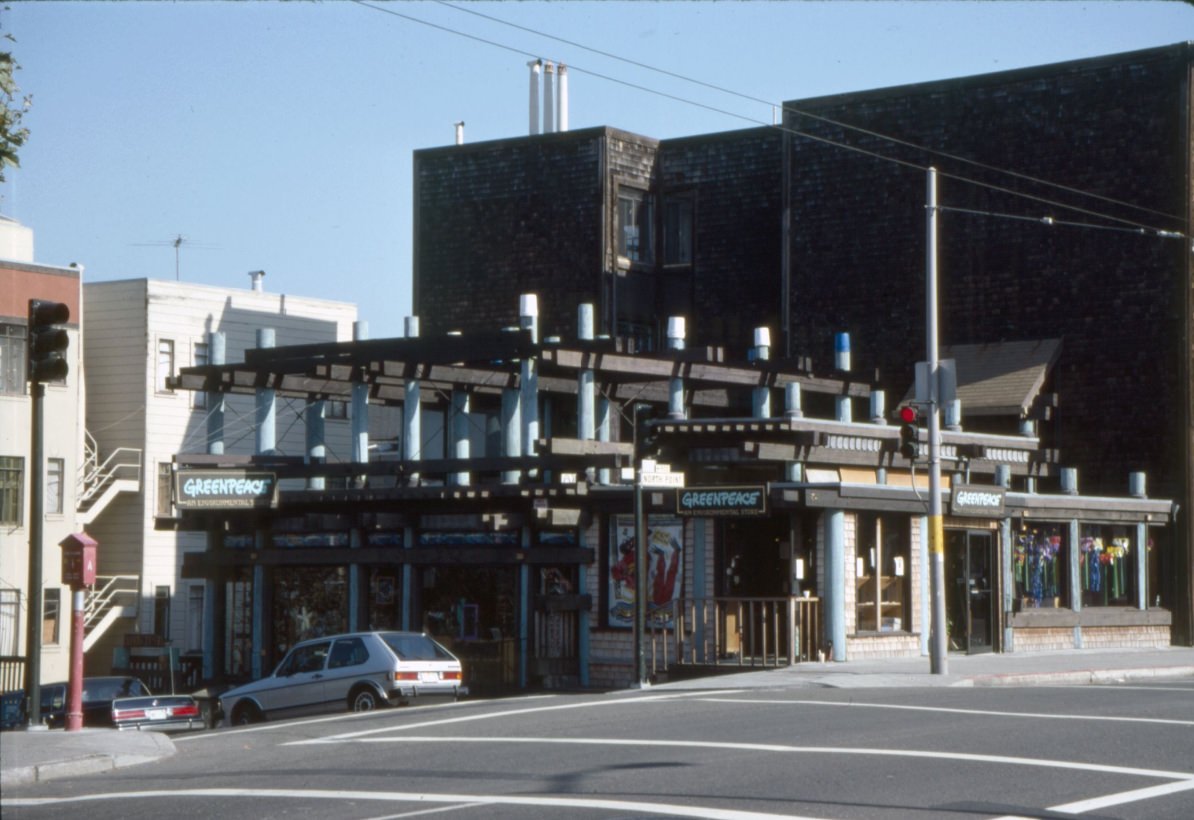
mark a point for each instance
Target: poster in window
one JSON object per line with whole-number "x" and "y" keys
{"x": 665, "y": 571}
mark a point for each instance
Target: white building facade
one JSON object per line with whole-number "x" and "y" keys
{"x": 138, "y": 334}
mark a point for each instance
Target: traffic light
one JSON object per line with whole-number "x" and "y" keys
{"x": 47, "y": 341}
{"x": 909, "y": 432}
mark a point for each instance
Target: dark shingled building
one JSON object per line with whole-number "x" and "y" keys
{"x": 818, "y": 227}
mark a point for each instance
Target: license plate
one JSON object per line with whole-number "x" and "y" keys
{"x": 429, "y": 677}
{"x": 155, "y": 714}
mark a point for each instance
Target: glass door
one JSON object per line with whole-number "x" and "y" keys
{"x": 968, "y": 590}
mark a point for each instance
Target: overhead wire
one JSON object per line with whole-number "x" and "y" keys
{"x": 788, "y": 108}
{"x": 1143, "y": 228}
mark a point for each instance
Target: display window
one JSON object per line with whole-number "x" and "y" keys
{"x": 1040, "y": 564}
{"x": 309, "y": 602}
{"x": 882, "y": 573}
{"x": 1106, "y": 566}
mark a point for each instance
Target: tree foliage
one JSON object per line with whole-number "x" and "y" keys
{"x": 12, "y": 109}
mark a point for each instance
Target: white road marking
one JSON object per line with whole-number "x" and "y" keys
{"x": 636, "y": 806}
{"x": 1082, "y": 806}
{"x": 622, "y": 701}
{"x": 422, "y": 812}
{"x": 1084, "y": 766}
{"x": 991, "y": 712}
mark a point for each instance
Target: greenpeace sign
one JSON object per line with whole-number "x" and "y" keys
{"x": 722, "y": 501}
{"x": 983, "y": 502}
{"x": 224, "y": 489}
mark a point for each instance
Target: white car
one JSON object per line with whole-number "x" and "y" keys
{"x": 360, "y": 671}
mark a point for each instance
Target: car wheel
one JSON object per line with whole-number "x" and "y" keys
{"x": 364, "y": 700}
{"x": 246, "y": 714}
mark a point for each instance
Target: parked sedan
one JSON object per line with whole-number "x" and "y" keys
{"x": 360, "y": 671}
{"x": 159, "y": 713}
{"x": 98, "y": 694}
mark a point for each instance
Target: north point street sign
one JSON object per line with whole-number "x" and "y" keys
{"x": 655, "y": 475}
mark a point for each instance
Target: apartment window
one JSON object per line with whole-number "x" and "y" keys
{"x": 677, "y": 232}
{"x": 165, "y": 364}
{"x": 202, "y": 357}
{"x": 165, "y": 489}
{"x": 10, "y": 621}
{"x": 12, "y": 359}
{"x": 51, "y": 619}
{"x": 12, "y": 497}
{"x": 161, "y": 612}
{"x": 635, "y": 219}
{"x": 194, "y": 618}
{"x": 55, "y": 469}
{"x": 337, "y": 409}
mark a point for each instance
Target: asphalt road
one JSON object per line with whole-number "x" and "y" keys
{"x": 1095, "y": 751}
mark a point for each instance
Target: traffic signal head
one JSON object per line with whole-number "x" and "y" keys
{"x": 909, "y": 433}
{"x": 47, "y": 341}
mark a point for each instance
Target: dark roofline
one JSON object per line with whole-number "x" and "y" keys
{"x": 998, "y": 77}
{"x": 555, "y": 136}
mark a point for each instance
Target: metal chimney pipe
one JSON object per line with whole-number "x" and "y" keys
{"x": 535, "y": 66}
{"x": 549, "y": 92}
{"x": 256, "y": 276}
{"x": 460, "y": 133}
{"x": 562, "y": 97}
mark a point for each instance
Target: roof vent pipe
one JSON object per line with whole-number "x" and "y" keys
{"x": 562, "y": 97}
{"x": 255, "y": 277}
{"x": 549, "y": 92}
{"x": 460, "y": 133}
{"x": 535, "y": 66}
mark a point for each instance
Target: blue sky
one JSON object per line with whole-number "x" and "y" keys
{"x": 279, "y": 136}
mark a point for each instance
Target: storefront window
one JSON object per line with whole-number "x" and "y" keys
{"x": 882, "y": 571}
{"x": 309, "y": 602}
{"x": 1106, "y": 566}
{"x": 1039, "y": 565}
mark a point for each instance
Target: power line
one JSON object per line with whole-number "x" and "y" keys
{"x": 1141, "y": 228}
{"x": 785, "y": 107}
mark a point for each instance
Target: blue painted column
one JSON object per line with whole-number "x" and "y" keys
{"x": 266, "y": 441}
{"x": 524, "y": 610}
{"x": 675, "y": 395}
{"x": 528, "y": 318}
{"x": 1006, "y": 545}
{"x": 760, "y": 397}
{"x": 459, "y": 431}
{"x": 1137, "y": 488}
{"x": 213, "y": 587}
{"x": 412, "y": 448}
{"x": 587, "y": 428}
{"x": 835, "y": 582}
{"x": 412, "y": 432}
{"x": 1075, "y": 578}
{"x": 604, "y": 417}
{"x": 841, "y": 350}
{"x": 511, "y": 432}
{"x": 360, "y": 407}
{"x": 316, "y": 447}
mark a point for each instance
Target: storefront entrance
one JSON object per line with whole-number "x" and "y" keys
{"x": 969, "y": 564}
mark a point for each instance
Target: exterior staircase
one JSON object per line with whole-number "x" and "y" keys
{"x": 113, "y": 597}
{"x": 99, "y": 483}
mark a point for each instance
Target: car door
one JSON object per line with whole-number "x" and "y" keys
{"x": 298, "y": 685}
{"x": 348, "y": 663}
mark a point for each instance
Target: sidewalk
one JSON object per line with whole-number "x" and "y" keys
{"x": 28, "y": 757}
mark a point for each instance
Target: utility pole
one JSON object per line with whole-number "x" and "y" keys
{"x": 938, "y": 640}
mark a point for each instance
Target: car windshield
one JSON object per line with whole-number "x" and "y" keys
{"x": 415, "y": 647}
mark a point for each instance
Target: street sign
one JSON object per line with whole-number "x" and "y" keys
{"x": 661, "y": 479}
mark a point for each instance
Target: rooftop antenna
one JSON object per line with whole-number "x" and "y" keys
{"x": 177, "y": 242}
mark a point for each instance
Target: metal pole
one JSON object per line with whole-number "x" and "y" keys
{"x": 938, "y": 640}
{"x": 34, "y": 619}
{"x": 74, "y": 698}
{"x": 640, "y": 577}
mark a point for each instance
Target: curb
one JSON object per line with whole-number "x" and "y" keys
{"x": 1086, "y": 676}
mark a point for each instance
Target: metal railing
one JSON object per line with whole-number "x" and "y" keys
{"x": 12, "y": 672}
{"x": 741, "y": 632}
{"x": 95, "y": 477}
{"x": 110, "y": 591}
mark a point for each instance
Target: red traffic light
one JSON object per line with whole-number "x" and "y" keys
{"x": 908, "y": 414}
